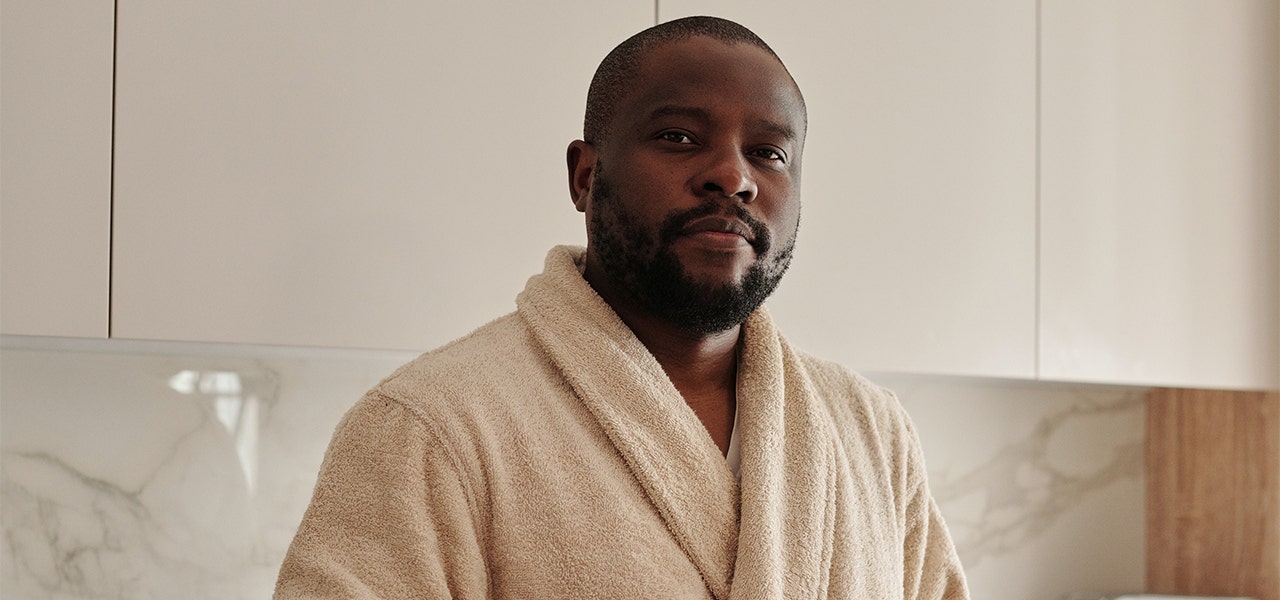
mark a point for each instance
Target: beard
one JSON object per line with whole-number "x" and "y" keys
{"x": 646, "y": 269}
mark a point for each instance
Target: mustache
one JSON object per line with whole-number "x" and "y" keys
{"x": 675, "y": 222}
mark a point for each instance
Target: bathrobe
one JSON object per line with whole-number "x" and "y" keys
{"x": 547, "y": 455}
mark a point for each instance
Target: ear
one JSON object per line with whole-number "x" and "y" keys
{"x": 581, "y": 157}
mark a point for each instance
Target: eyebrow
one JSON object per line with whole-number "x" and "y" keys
{"x": 672, "y": 110}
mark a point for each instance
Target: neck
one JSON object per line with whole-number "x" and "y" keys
{"x": 703, "y": 367}
{"x": 698, "y": 364}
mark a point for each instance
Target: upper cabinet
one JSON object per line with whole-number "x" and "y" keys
{"x": 917, "y": 248}
{"x": 1159, "y": 192}
{"x": 1075, "y": 190}
{"x": 381, "y": 175}
{"x": 55, "y": 167}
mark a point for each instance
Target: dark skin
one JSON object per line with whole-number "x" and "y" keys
{"x": 704, "y": 121}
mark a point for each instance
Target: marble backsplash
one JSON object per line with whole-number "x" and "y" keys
{"x": 180, "y": 471}
{"x": 1041, "y": 484}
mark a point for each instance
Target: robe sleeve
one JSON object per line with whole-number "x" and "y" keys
{"x": 390, "y": 516}
{"x": 931, "y": 567}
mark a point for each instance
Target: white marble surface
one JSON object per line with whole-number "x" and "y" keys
{"x": 114, "y": 484}
{"x": 181, "y": 472}
{"x": 1041, "y": 484}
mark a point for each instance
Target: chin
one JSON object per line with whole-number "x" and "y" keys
{"x": 719, "y": 269}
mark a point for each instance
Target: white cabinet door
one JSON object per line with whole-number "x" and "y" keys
{"x": 917, "y": 241}
{"x": 381, "y": 174}
{"x": 1159, "y": 192}
{"x": 55, "y": 167}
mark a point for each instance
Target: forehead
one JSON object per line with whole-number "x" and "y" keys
{"x": 705, "y": 73}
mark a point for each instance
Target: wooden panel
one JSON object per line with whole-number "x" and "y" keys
{"x": 1213, "y": 493}
{"x": 55, "y": 165}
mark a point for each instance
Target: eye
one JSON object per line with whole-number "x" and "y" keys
{"x": 676, "y": 137}
{"x": 769, "y": 153}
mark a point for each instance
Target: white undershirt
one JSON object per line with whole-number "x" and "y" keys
{"x": 734, "y": 455}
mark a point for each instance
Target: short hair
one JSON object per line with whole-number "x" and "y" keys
{"x": 616, "y": 74}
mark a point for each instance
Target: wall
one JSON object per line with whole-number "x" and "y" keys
{"x": 132, "y": 470}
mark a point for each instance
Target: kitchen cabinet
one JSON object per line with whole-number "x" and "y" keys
{"x": 1075, "y": 191}
{"x": 917, "y": 248}
{"x": 55, "y": 163}
{"x": 1159, "y": 191}
{"x": 381, "y": 175}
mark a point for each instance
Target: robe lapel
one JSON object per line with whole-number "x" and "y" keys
{"x": 654, "y": 430}
{"x": 788, "y": 477}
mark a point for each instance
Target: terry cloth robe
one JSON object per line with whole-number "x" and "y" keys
{"x": 547, "y": 455}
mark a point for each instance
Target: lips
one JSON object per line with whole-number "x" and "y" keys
{"x": 718, "y": 224}
{"x": 712, "y": 220}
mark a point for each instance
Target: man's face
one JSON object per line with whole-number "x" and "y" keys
{"x": 695, "y": 198}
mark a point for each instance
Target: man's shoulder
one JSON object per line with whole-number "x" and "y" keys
{"x": 851, "y": 396}
{"x": 834, "y": 378}
{"x": 497, "y": 355}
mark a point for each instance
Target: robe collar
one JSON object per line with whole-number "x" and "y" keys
{"x": 782, "y": 547}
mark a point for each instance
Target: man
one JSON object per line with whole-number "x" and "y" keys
{"x": 638, "y": 428}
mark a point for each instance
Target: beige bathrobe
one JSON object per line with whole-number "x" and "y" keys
{"x": 547, "y": 455}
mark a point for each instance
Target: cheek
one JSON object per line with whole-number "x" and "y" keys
{"x": 785, "y": 217}
{"x": 613, "y": 224}
{"x": 788, "y": 231}
{"x": 636, "y": 214}
{"x": 657, "y": 186}
{"x": 791, "y": 212}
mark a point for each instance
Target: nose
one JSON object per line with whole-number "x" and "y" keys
{"x": 728, "y": 174}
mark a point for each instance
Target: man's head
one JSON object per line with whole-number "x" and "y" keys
{"x": 615, "y": 77}
{"x": 689, "y": 174}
